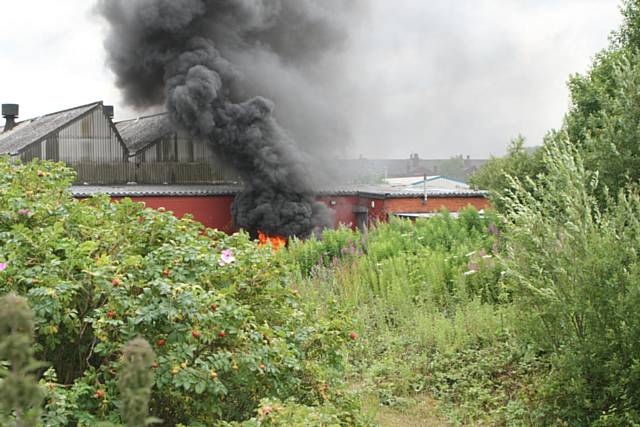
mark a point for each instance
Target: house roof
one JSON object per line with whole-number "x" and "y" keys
{"x": 37, "y": 129}
{"x": 155, "y": 190}
{"x": 139, "y": 133}
{"x": 369, "y": 191}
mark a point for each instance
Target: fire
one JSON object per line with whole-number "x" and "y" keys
{"x": 277, "y": 242}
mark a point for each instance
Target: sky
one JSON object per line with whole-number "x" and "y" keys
{"x": 438, "y": 77}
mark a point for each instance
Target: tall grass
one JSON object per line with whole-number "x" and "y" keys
{"x": 418, "y": 292}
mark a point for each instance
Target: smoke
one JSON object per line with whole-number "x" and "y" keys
{"x": 207, "y": 60}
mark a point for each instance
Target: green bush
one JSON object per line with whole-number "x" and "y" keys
{"x": 275, "y": 413}
{"x": 335, "y": 245}
{"x": 428, "y": 299}
{"x": 227, "y": 327}
{"x": 576, "y": 281}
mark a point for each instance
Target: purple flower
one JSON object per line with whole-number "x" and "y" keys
{"x": 24, "y": 212}
{"x": 3, "y": 266}
{"x": 493, "y": 229}
{"x": 473, "y": 266}
{"x": 226, "y": 258}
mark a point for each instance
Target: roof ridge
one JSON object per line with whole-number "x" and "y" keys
{"x": 63, "y": 111}
{"x": 142, "y": 117}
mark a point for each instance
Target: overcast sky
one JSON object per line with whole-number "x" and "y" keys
{"x": 435, "y": 77}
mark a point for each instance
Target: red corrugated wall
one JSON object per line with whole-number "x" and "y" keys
{"x": 342, "y": 207}
{"x": 215, "y": 211}
{"x": 212, "y": 211}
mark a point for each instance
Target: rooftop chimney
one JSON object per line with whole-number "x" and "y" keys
{"x": 10, "y": 113}
{"x": 108, "y": 110}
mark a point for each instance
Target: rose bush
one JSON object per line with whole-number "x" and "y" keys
{"x": 227, "y": 327}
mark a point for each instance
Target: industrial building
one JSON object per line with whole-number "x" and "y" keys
{"x": 147, "y": 160}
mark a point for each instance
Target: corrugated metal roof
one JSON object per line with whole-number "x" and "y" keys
{"x": 141, "y": 132}
{"x": 155, "y": 190}
{"x": 30, "y": 131}
{"x": 377, "y": 192}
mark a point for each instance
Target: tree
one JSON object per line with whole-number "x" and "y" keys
{"x": 454, "y": 168}
{"x": 573, "y": 269}
{"x": 519, "y": 162}
{"x": 603, "y": 122}
{"x": 604, "y": 119}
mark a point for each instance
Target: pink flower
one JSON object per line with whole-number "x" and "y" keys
{"x": 3, "y": 266}
{"x": 226, "y": 258}
{"x": 24, "y": 212}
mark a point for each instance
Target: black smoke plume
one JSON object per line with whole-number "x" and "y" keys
{"x": 176, "y": 52}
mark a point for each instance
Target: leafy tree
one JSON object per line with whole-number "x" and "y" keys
{"x": 604, "y": 119}
{"x": 575, "y": 272}
{"x": 494, "y": 175}
{"x": 454, "y": 168}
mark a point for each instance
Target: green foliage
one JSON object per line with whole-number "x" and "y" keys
{"x": 275, "y": 413}
{"x": 20, "y": 396}
{"x": 602, "y": 122}
{"x": 455, "y": 168}
{"x": 494, "y": 175}
{"x": 226, "y": 332}
{"x": 335, "y": 245}
{"x": 575, "y": 273}
{"x": 432, "y": 314}
{"x": 135, "y": 382}
{"x": 605, "y": 119}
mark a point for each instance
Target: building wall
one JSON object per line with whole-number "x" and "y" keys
{"x": 90, "y": 146}
{"x": 342, "y": 207}
{"x": 180, "y": 159}
{"x": 434, "y": 204}
{"x": 215, "y": 211}
{"x": 211, "y": 211}
{"x": 89, "y": 140}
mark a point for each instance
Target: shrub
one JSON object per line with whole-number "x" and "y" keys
{"x": 276, "y": 413}
{"x": 227, "y": 331}
{"x": 428, "y": 299}
{"x": 576, "y": 273}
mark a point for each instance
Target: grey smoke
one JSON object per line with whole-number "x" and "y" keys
{"x": 205, "y": 60}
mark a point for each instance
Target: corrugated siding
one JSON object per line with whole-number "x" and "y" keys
{"x": 180, "y": 159}
{"x": 90, "y": 140}
{"x": 88, "y": 145}
{"x": 91, "y": 147}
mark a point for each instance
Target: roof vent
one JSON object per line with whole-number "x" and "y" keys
{"x": 108, "y": 110}
{"x": 10, "y": 113}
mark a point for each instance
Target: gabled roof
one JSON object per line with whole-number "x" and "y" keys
{"x": 139, "y": 133}
{"x": 34, "y": 130}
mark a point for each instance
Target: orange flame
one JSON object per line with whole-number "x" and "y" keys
{"x": 277, "y": 242}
